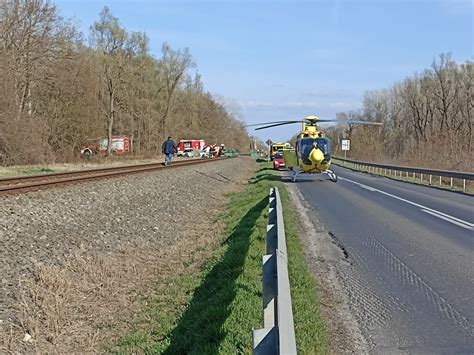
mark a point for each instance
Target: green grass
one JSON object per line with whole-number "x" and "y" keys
{"x": 309, "y": 324}
{"x": 36, "y": 171}
{"x": 215, "y": 310}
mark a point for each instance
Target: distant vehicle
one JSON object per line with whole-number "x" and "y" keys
{"x": 230, "y": 153}
{"x": 278, "y": 161}
{"x": 183, "y": 144}
{"x": 187, "y": 153}
{"x": 275, "y": 147}
{"x": 98, "y": 146}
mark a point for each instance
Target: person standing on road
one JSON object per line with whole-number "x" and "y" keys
{"x": 168, "y": 149}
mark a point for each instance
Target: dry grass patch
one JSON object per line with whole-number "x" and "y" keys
{"x": 90, "y": 301}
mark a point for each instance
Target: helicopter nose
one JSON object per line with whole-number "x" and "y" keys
{"x": 316, "y": 156}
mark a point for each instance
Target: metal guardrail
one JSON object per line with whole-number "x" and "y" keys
{"x": 393, "y": 170}
{"x": 278, "y": 333}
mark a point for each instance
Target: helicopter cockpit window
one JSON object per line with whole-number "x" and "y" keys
{"x": 324, "y": 145}
{"x": 306, "y": 145}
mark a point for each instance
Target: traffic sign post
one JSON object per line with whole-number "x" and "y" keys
{"x": 345, "y": 146}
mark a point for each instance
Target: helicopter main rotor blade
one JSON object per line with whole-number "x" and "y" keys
{"x": 312, "y": 122}
{"x": 350, "y": 122}
{"x": 269, "y": 123}
{"x": 278, "y": 124}
{"x": 322, "y": 120}
{"x": 361, "y": 122}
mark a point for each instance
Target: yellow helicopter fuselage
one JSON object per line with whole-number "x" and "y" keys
{"x": 307, "y": 155}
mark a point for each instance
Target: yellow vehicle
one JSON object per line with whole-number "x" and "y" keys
{"x": 275, "y": 147}
{"x": 312, "y": 154}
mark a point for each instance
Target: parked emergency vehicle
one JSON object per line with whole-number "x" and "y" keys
{"x": 120, "y": 145}
{"x": 184, "y": 145}
{"x": 275, "y": 147}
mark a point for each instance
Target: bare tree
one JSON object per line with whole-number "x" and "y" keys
{"x": 427, "y": 118}
{"x": 173, "y": 66}
{"x": 115, "y": 48}
{"x": 57, "y": 91}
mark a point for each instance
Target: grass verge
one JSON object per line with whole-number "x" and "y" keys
{"x": 213, "y": 310}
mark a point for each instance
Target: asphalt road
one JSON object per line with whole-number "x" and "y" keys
{"x": 410, "y": 252}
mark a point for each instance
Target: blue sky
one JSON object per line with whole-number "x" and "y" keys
{"x": 277, "y": 60}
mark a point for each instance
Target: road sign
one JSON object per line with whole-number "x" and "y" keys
{"x": 269, "y": 142}
{"x": 346, "y": 144}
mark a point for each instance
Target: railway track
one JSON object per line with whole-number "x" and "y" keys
{"x": 24, "y": 184}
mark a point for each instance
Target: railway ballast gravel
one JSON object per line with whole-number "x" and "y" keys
{"x": 150, "y": 211}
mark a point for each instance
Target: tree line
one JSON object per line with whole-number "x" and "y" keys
{"x": 427, "y": 119}
{"x": 60, "y": 88}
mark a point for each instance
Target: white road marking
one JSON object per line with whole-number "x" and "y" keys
{"x": 368, "y": 188}
{"x": 444, "y": 216}
{"x": 447, "y": 219}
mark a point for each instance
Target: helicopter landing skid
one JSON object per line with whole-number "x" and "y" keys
{"x": 332, "y": 175}
{"x": 295, "y": 174}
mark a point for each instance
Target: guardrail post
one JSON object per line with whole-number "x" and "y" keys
{"x": 451, "y": 182}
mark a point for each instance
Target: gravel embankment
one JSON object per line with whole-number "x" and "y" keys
{"x": 153, "y": 212}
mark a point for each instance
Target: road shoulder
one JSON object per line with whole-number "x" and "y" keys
{"x": 323, "y": 256}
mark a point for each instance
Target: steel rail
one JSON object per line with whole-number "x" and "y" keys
{"x": 386, "y": 169}
{"x": 35, "y": 182}
{"x": 12, "y": 179}
{"x": 278, "y": 334}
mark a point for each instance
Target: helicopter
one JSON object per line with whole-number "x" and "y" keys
{"x": 312, "y": 152}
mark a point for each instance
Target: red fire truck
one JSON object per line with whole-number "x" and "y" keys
{"x": 187, "y": 146}
{"x": 120, "y": 145}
